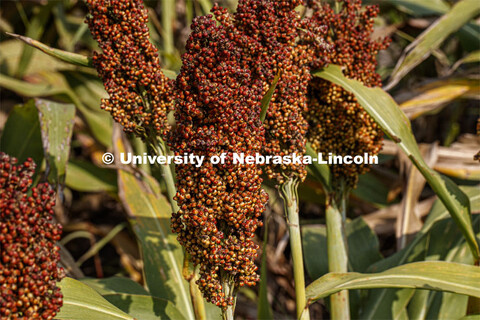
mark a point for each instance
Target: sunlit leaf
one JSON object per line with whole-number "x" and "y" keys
{"x": 56, "y": 125}
{"x": 115, "y": 285}
{"x": 268, "y": 97}
{"x": 379, "y": 302}
{"x": 81, "y": 302}
{"x": 145, "y": 307}
{"x": 430, "y": 100}
{"x": 162, "y": 254}
{"x": 436, "y": 275}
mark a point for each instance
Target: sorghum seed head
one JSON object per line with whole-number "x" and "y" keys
{"x": 337, "y": 123}
{"x": 29, "y": 257}
{"x": 217, "y": 111}
{"x": 140, "y": 95}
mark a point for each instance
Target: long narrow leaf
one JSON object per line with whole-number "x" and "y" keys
{"x": 383, "y": 109}
{"x": 432, "y": 38}
{"x": 436, "y": 275}
{"x": 81, "y": 302}
{"x": 73, "y": 58}
{"x": 162, "y": 254}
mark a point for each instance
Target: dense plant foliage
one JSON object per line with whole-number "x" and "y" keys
{"x": 162, "y": 222}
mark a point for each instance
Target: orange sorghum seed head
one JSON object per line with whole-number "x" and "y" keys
{"x": 337, "y": 123}
{"x": 140, "y": 95}
{"x": 217, "y": 112}
{"x": 29, "y": 257}
{"x": 266, "y": 32}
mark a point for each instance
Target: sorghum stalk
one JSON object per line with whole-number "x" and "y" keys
{"x": 337, "y": 248}
{"x": 288, "y": 191}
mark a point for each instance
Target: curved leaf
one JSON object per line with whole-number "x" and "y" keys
{"x": 437, "y": 275}
{"x": 21, "y": 137}
{"x": 383, "y": 109}
{"x": 145, "y": 307}
{"x": 462, "y": 12}
{"x": 69, "y": 57}
{"x": 81, "y": 302}
{"x": 115, "y": 285}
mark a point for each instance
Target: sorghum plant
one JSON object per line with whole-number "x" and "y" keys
{"x": 139, "y": 93}
{"x": 232, "y": 60}
{"x": 337, "y": 123}
{"x": 29, "y": 267}
{"x": 217, "y": 113}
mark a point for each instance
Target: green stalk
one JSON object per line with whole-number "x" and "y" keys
{"x": 161, "y": 149}
{"x": 337, "y": 249}
{"x": 288, "y": 191}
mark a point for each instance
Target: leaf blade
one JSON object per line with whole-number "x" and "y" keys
{"x": 437, "y": 275}
{"x": 82, "y": 302}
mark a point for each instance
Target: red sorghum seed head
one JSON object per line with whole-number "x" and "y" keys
{"x": 337, "y": 123}
{"x": 29, "y": 257}
{"x": 217, "y": 111}
{"x": 140, "y": 95}
{"x": 266, "y": 33}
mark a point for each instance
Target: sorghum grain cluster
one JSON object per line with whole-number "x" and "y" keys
{"x": 217, "y": 112}
{"x": 29, "y": 257}
{"x": 337, "y": 123}
{"x": 266, "y": 32}
{"x": 139, "y": 93}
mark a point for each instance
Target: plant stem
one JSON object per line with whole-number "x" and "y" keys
{"x": 161, "y": 149}
{"x": 288, "y": 191}
{"x": 337, "y": 249}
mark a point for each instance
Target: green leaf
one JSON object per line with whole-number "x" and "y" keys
{"x": 379, "y": 302}
{"x": 363, "y": 247}
{"x": 69, "y": 57}
{"x": 86, "y": 177}
{"x": 319, "y": 170}
{"x": 472, "y": 57}
{"x": 35, "y": 29}
{"x": 383, "y": 109}
{"x": 145, "y": 307}
{"x": 162, "y": 254}
{"x": 54, "y": 84}
{"x": 56, "y": 125}
{"x": 21, "y": 137}
{"x": 81, "y": 302}
{"x": 10, "y": 51}
{"x": 462, "y": 12}
{"x": 264, "y": 309}
{"x": 435, "y": 275}
{"x": 114, "y": 285}
{"x": 371, "y": 189}
{"x": 268, "y": 97}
